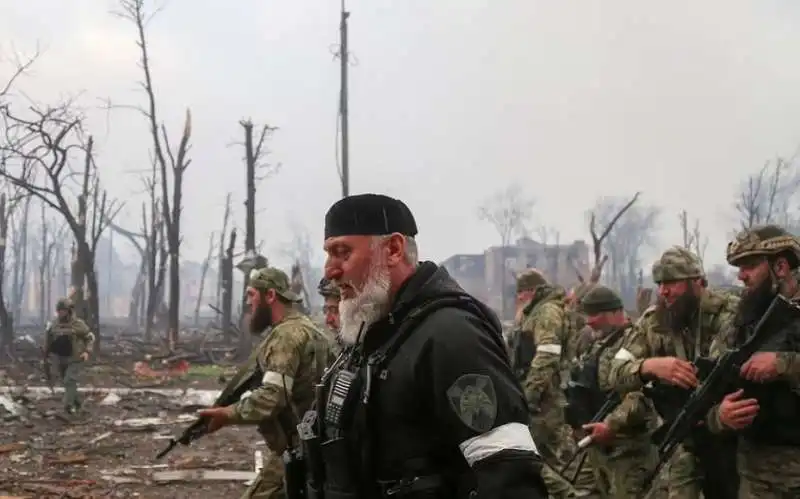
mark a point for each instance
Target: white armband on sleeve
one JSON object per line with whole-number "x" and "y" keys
{"x": 624, "y": 355}
{"x": 552, "y": 348}
{"x": 510, "y": 436}
{"x": 278, "y": 379}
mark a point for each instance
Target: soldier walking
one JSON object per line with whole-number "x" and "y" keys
{"x": 289, "y": 362}
{"x": 69, "y": 341}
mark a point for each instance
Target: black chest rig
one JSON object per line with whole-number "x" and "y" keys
{"x": 583, "y": 393}
{"x": 340, "y": 442}
{"x": 522, "y": 346}
{"x": 778, "y": 419}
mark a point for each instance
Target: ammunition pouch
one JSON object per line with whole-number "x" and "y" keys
{"x": 583, "y": 403}
{"x": 294, "y": 478}
{"x": 523, "y": 350}
{"x": 61, "y": 346}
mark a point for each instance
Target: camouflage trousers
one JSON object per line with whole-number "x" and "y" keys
{"x": 556, "y": 445}
{"x": 269, "y": 482}
{"x": 750, "y": 486}
{"x": 685, "y": 477}
{"x": 621, "y": 472}
{"x": 69, "y": 370}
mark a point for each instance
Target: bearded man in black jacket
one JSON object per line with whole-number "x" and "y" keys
{"x": 422, "y": 403}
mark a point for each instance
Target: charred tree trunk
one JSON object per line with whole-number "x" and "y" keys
{"x": 43, "y": 267}
{"x": 6, "y": 326}
{"x": 20, "y": 260}
{"x": 203, "y": 274}
{"x": 222, "y": 253}
{"x": 227, "y": 286}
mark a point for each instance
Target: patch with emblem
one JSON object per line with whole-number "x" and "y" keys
{"x": 473, "y": 399}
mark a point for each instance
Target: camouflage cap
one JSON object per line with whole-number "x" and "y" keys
{"x": 272, "y": 278}
{"x": 600, "y": 299}
{"x": 677, "y": 264}
{"x": 328, "y": 289}
{"x": 762, "y": 240}
{"x": 530, "y": 279}
{"x": 64, "y": 304}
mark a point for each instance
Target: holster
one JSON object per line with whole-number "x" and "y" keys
{"x": 294, "y": 478}
{"x": 340, "y": 481}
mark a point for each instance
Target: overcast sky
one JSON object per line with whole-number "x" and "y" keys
{"x": 451, "y": 100}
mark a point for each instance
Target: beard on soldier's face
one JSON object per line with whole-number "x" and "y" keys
{"x": 680, "y": 313}
{"x": 755, "y": 301}
{"x": 260, "y": 319}
{"x": 369, "y": 305}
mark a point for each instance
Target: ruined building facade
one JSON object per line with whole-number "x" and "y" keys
{"x": 486, "y": 275}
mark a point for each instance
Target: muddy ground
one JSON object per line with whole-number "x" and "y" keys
{"x": 109, "y": 450}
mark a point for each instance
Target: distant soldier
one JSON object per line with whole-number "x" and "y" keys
{"x": 539, "y": 359}
{"x": 622, "y": 453}
{"x": 330, "y": 307}
{"x": 70, "y": 342}
{"x": 289, "y": 361}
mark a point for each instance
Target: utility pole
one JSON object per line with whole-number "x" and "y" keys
{"x": 343, "y": 111}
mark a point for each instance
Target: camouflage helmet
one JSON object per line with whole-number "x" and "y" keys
{"x": 677, "y": 264}
{"x": 763, "y": 240}
{"x": 64, "y": 304}
{"x": 530, "y": 279}
{"x": 600, "y": 299}
{"x": 328, "y": 289}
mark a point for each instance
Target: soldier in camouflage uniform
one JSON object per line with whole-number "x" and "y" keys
{"x": 767, "y": 415}
{"x": 539, "y": 361}
{"x": 330, "y": 307}
{"x": 665, "y": 341}
{"x": 622, "y": 453}
{"x": 70, "y": 342}
{"x": 291, "y": 359}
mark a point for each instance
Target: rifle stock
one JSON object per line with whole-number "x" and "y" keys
{"x": 716, "y": 385}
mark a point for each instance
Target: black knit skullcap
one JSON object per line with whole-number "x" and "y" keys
{"x": 369, "y": 215}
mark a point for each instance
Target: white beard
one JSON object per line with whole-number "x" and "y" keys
{"x": 369, "y": 305}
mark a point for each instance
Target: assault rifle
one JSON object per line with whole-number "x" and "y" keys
{"x": 244, "y": 380}
{"x": 612, "y": 401}
{"x": 719, "y": 382}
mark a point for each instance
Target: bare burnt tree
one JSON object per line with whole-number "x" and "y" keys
{"x": 301, "y": 250}
{"x": 608, "y": 221}
{"x": 769, "y": 196}
{"x": 632, "y": 230}
{"x": 43, "y": 149}
{"x": 551, "y": 248}
{"x": 20, "y": 252}
{"x": 509, "y": 211}
{"x": 222, "y": 252}
{"x": 139, "y": 290}
{"x": 170, "y": 160}
{"x": 50, "y": 234}
{"x": 227, "y": 286}
{"x": 203, "y": 274}
{"x": 691, "y": 236}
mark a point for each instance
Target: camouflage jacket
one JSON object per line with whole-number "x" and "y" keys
{"x": 74, "y": 333}
{"x": 635, "y": 415}
{"x": 768, "y": 461}
{"x": 649, "y": 339}
{"x": 547, "y": 322}
{"x": 291, "y": 360}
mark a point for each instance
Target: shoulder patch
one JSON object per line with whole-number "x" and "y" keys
{"x": 474, "y": 400}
